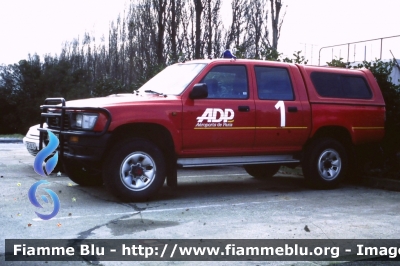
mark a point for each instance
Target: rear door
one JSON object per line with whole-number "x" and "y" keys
{"x": 282, "y": 109}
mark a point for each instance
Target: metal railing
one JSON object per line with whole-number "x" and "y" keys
{"x": 348, "y": 46}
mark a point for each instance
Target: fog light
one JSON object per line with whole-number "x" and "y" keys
{"x": 74, "y": 139}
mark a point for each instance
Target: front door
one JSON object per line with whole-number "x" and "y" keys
{"x": 223, "y": 123}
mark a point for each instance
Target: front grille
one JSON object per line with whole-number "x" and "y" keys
{"x": 55, "y": 122}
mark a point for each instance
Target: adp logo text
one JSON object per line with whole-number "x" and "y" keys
{"x": 216, "y": 115}
{"x": 45, "y": 168}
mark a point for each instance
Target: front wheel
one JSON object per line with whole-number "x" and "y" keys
{"x": 262, "y": 171}
{"x": 325, "y": 163}
{"x": 134, "y": 169}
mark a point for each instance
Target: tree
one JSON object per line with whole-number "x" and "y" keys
{"x": 276, "y": 7}
{"x": 148, "y": 36}
{"x": 258, "y": 31}
{"x": 160, "y": 7}
{"x": 298, "y": 59}
{"x": 249, "y": 33}
{"x": 212, "y": 29}
{"x": 173, "y": 22}
{"x": 198, "y": 42}
{"x": 238, "y": 21}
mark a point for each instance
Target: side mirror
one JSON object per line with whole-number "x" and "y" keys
{"x": 199, "y": 91}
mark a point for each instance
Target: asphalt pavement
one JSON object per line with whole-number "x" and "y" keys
{"x": 209, "y": 203}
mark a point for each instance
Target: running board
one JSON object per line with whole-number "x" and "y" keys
{"x": 237, "y": 160}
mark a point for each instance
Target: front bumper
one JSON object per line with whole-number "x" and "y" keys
{"x": 32, "y": 145}
{"x": 81, "y": 146}
{"x": 87, "y": 149}
{"x": 31, "y": 139}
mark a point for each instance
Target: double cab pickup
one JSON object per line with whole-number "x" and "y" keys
{"x": 258, "y": 114}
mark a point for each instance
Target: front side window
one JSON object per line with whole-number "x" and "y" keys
{"x": 227, "y": 82}
{"x": 273, "y": 83}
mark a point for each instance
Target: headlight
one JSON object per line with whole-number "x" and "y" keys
{"x": 85, "y": 121}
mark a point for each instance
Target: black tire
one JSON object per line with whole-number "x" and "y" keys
{"x": 134, "y": 170}
{"x": 262, "y": 171}
{"x": 82, "y": 177}
{"x": 325, "y": 163}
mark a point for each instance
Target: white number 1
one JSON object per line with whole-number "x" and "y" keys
{"x": 281, "y": 105}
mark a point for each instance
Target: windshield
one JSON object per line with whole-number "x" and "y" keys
{"x": 173, "y": 79}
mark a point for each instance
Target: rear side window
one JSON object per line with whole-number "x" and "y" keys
{"x": 273, "y": 83}
{"x": 340, "y": 86}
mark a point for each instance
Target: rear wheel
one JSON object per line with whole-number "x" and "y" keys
{"x": 134, "y": 169}
{"x": 81, "y": 176}
{"x": 325, "y": 163}
{"x": 262, "y": 171}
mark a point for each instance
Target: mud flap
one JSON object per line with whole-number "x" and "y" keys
{"x": 172, "y": 172}
{"x": 172, "y": 178}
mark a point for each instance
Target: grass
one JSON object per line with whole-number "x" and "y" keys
{"x": 16, "y": 136}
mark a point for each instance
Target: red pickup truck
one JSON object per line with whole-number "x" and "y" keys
{"x": 258, "y": 114}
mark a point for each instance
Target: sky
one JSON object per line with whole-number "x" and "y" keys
{"x": 310, "y": 25}
{"x": 42, "y": 26}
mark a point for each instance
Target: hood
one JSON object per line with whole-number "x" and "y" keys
{"x": 120, "y": 99}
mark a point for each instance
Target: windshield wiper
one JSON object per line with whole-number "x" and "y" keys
{"x": 155, "y": 92}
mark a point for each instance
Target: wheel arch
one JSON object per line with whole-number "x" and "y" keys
{"x": 338, "y": 133}
{"x": 157, "y": 134}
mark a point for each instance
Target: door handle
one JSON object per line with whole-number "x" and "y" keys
{"x": 292, "y": 109}
{"x": 244, "y": 108}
